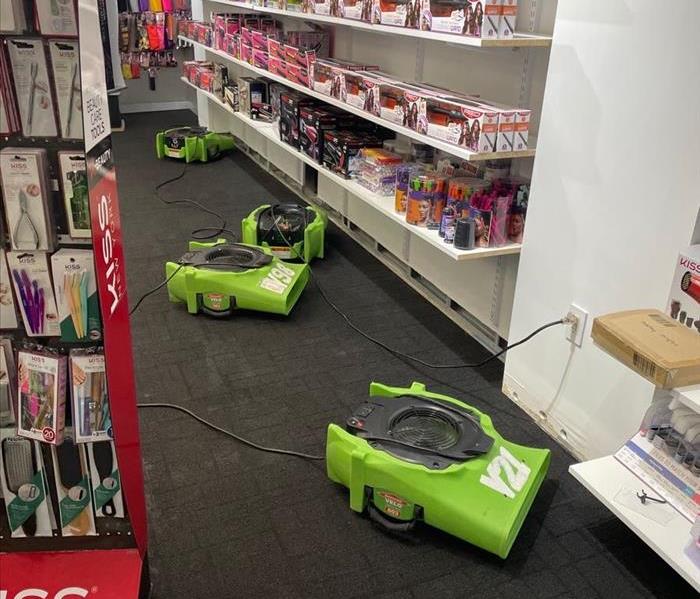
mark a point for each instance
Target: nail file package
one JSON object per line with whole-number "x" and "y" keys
{"x": 25, "y": 191}
{"x": 8, "y": 383}
{"x": 24, "y": 486}
{"x": 91, "y": 416}
{"x": 72, "y": 478}
{"x": 66, "y": 77}
{"x": 106, "y": 483}
{"x": 8, "y": 313}
{"x": 57, "y": 17}
{"x": 41, "y": 386}
{"x": 34, "y": 293}
{"x": 32, "y": 88}
{"x": 75, "y": 193}
{"x": 76, "y": 293}
{"x": 9, "y": 116}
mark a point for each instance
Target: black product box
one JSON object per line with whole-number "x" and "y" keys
{"x": 276, "y": 89}
{"x": 340, "y": 146}
{"x": 290, "y": 105}
{"x": 313, "y": 123}
{"x": 251, "y": 91}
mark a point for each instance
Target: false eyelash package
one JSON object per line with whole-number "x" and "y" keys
{"x": 91, "y": 416}
{"x": 75, "y": 193}
{"x": 32, "y": 283}
{"x": 41, "y": 385}
{"x": 25, "y": 191}
{"x": 66, "y": 77}
{"x": 32, "y": 87}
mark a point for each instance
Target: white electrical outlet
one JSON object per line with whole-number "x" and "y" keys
{"x": 575, "y": 330}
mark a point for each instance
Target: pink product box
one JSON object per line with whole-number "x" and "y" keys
{"x": 259, "y": 40}
{"x": 276, "y": 48}
{"x": 247, "y": 36}
{"x": 277, "y": 66}
{"x": 298, "y": 74}
{"x": 521, "y": 129}
{"x": 232, "y": 44}
{"x": 294, "y": 55}
{"x": 358, "y": 10}
{"x": 483, "y": 18}
{"x": 329, "y": 79}
{"x": 260, "y": 59}
{"x": 246, "y": 53}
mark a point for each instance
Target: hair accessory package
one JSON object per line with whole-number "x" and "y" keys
{"x": 24, "y": 486}
{"x": 32, "y": 88}
{"x": 42, "y": 395}
{"x": 8, "y": 314}
{"x": 104, "y": 476}
{"x": 66, "y": 77}
{"x": 25, "y": 192}
{"x": 72, "y": 477}
{"x": 33, "y": 290}
{"x": 75, "y": 193}
{"x": 91, "y": 416}
{"x": 57, "y": 17}
{"x": 8, "y": 383}
{"x": 76, "y": 290}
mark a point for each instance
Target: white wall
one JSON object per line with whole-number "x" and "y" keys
{"x": 616, "y": 191}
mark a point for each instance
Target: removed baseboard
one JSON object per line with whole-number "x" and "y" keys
{"x": 155, "y": 107}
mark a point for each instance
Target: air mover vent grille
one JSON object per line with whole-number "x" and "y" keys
{"x": 425, "y": 427}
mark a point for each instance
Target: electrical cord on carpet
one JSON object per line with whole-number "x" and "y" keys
{"x": 152, "y": 291}
{"x": 289, "y": 452}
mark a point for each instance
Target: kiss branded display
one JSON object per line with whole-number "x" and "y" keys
{"x": 72, "y": 505}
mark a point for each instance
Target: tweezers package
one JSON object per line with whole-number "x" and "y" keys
{"x": 8, "y": 383}
{"x": 66, "y": 78}
{"x": 76, "y": 293}
{"x": 25, "y": 191}
{"x": 8, "y": 313}
{"x": 42, "y": 396}
{"x": 57, "y": 18}
{"x": 106, "y": 483}
{"x": 32, "y": 283}
{"x": 32, "y": 88}
{"x": 91, "y": 416}
{"x": 75, "y": 193}
{"x": 23, "y": 486}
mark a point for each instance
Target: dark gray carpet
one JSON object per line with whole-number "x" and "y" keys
{"x": 229, "y": 521}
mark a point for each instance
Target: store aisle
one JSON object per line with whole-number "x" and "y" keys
{"x": 228, "y": 521}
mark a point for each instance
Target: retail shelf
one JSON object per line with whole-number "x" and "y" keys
{"x": 436, "y": 143}
{"x": 689, "y": 396}
{"x": 518, "y": 39}
{"x": 605, "y": 478}
{"x": 383, "y": 204}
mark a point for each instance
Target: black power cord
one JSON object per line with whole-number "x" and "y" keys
{"x": 152, "y": 291}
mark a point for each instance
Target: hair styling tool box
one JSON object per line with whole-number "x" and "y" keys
{"x": 76, "y": 289}
{"x": 75, "y": 193}
{"x": 25, "y": 191}
{"x": 660, "y": 349}
{"x": 66, "y": 77}
{"x": 32, "y": 88}
{"x": 106, "y": 483}
{"x": 72, "y": 476}
{"x": 684, "y": 299}
{"x": 23, "y": 483}
{"x": 8, "y": 312}
{"x": 91, "y": 415}
{"x": 41, "y": 385}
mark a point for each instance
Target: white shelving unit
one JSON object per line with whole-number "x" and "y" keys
{"x": 606, "y": 478}
{"x": 689, "y": 396}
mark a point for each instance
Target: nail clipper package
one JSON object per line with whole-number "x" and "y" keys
{"x": 91, "y": 416}
{"x": 8, "y": 383}
{"x": 34, "y": 293}
{"x": 684, "y": 299}
{"x": 71, "y": 166}
{"x": 23, "y": 482}
{"x": 66, "y": 77}
{"x": 105, "y": 479}
{"x": 57, "y": 17}
{"x": 72, "y": 476}
{"x": 25, "y": 190}
{"x": 32, "y": 88}
{"x": 41, "y": 386}
{"x": 76, "y": 290}
{"x": 8, "y": 312}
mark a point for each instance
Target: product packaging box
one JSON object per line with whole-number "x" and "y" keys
{"x": 76, "y": 289}
{"x": 362, "y": 90}
{"x": 57, "y": 17}
{"x": 509, "y": 14}
{"x": 32, "y": 284}
{"x": 106, "y": 482}
{"x": 32, "y": 87}
{"x": 246, "y": 53}
{"x": 251, "y": 91}
{"x": 483, "y": 18}
{"x": 8, "y": 383}
{"x": 396, "y": 12}
{"x": 684, "y": 298}
{"x": 290, "y": 105}
{"x": 462, "y": 122}
{"x": 8, "y": 310}
{"x": 446, "y": 16}
{"x": 313, "y": 123}
{"x": 297, "y": 56}
{"x": 324, "y": 7}
{"x": 358, "y": 10}
{"x": 277, "y": 66}
{"x": 72, "y": 476}
{"x": 91, "y": 415}
{"x": 261, "y": 59}
{"x": 23, "y": 482}
{"x": 26, "y": 195}
{"x": 74, "y": 187}
{"x": 66, "y": 77}
{"x": 660, "y": 349}
{"x": 231, "y": 96}
{"x": 298, "y": 74}
{"x": 41, "y": 385}
{"x": 339, "y": 147}
{"x": 521, "y": 129}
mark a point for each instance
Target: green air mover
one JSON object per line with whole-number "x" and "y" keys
{"x": 217, "y": 278}
{"x": 409, "y": 455}
{"x": 282, "y": 225}
{"x": 192, "y": 143}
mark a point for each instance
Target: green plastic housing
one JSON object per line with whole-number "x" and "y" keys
{"x": 274, "y": 288}
{"x": 483, "y": 500}
{"x": 196, "y": 147}
{"x": 311, "y": 247}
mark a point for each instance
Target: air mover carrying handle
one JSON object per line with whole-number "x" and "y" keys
{"x": 391, "y": 525}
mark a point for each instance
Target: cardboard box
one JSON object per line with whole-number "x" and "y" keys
{"x": 652, "y": 344}
{"x": 684, "y": 298}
